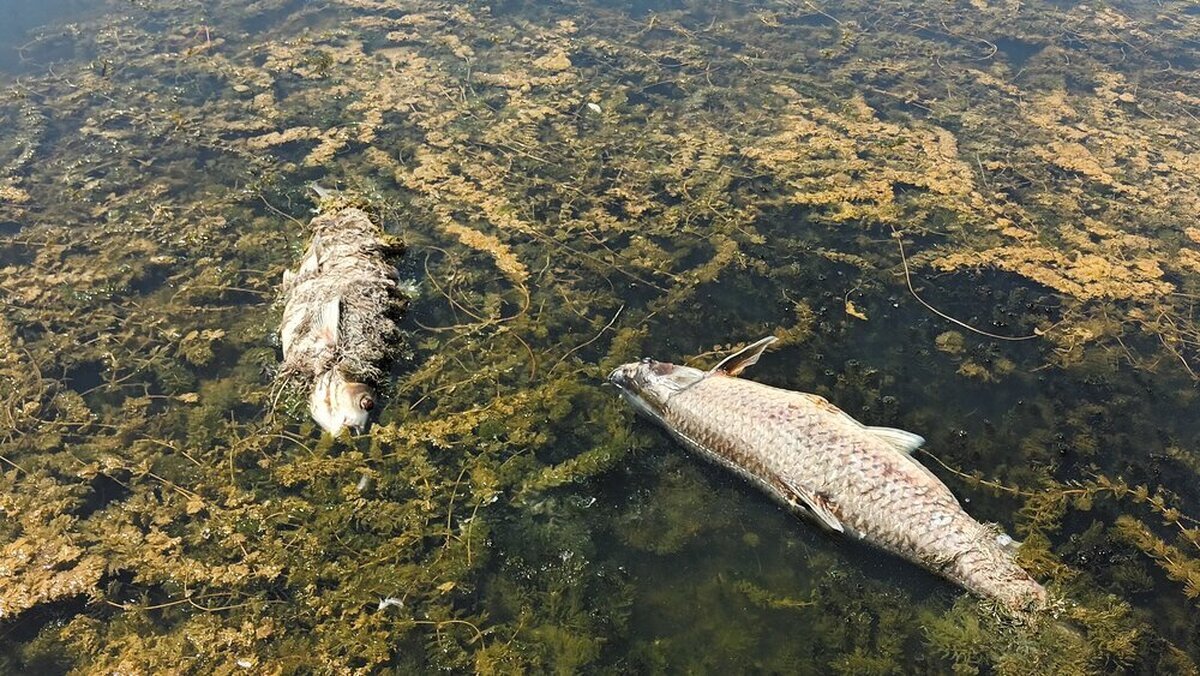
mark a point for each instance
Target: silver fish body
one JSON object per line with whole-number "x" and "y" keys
{"x": 340, "y": 328}
{"x": 818, "y": 460}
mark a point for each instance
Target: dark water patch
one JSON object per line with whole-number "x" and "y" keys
{"x": 901, "y": 189}
{"x": 761, "y": 184}
{"x": 751, "y": 543}
{"x": 588, "y": 59}
{"x": 14, "y": 251}
{"x": 649, "y": 94}
{"x": 85, "y": 376}
{"x": 1018, "y": 52}
{"x": 708, "y": 321}
{"x": 103, "y": 490}
{"x": 261, "y": 22}
{"x": 995, "y": 301}
{"x": 32, "y": 33}
{"x": 26, "y": 627}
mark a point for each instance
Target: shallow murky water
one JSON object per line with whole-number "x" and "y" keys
{"x": 580, "y": 185}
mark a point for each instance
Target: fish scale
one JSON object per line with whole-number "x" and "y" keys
{"x": 813, "y": 457}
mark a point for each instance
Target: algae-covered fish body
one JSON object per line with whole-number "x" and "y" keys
{"x": 342, "y": 306}
{"x": 816, "y": 459}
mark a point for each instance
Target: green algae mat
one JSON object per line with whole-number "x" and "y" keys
{"x": 975, "y": 220}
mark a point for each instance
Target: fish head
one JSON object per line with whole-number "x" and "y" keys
{"x": 337, "y": 403}
{"x": 648, "y": 384}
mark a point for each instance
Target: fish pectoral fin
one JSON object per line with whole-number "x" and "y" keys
{"x": 900, "y": 440}
{"x": 814, "y": 504}
{"x": 327, "y": 321}
{"x": 321, "y": 191}
{"x": 1006, "y": 541}
{"x": 1009, "y": 544}
{"x": 309, "y": 267}
{"x": 743, "y": 358}
{"x": 311, "y": 264}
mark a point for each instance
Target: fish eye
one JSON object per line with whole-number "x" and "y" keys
{"x": 366, "y": 403}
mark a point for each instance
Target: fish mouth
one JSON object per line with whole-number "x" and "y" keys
{"x": 626, "y": 379}
{"x": 612, "y": 376}
{"x": 619, "y": 378}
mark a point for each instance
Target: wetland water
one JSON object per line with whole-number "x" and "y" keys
{"x": 582, "y": 184}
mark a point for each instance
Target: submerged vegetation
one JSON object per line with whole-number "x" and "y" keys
{"x": 899, "y": 191}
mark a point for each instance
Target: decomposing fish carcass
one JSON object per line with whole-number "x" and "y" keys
{"x": 341, "y": 314}
{"x": 816, "y": 459}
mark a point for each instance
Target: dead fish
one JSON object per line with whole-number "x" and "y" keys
{"x": 814, "y": 458}
{"x": 340, "y": 330}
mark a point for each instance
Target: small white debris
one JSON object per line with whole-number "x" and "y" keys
{"x": 364, "y": 482}
{"x": 410, "y": 287}
{"x": 390, "y": 601}
{"x": 245, "y": 663}
{"x": 595, "y": 107}
{"x": 1004, "y": 540}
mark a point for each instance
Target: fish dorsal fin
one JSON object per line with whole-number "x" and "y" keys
{"x": 824, "y": 404}
{"x": 327, "y": 321}
{"x": 743, "y": 358}
{"x": 900, "y": 440}
{"x": 905, "y": 443}
{"x": 813, "y": 504}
